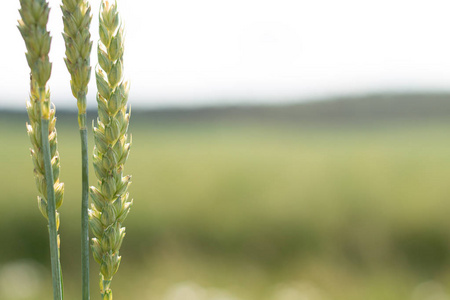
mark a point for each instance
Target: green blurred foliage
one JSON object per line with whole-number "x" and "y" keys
{"x": 253, "y": 209}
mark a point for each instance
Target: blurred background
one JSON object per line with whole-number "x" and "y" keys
{"x": 282, "y": 150}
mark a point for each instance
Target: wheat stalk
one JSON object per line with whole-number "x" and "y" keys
{"x": 42, "y": 132}
{"x": 77, "y": 19}
{"x": 110, "y": 200}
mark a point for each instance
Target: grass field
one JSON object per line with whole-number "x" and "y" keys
{"x": 249, "y": 211}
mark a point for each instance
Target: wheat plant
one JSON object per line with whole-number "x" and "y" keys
{"x": 77, "y": 19}
{"x": 41, "y": 129}
{"x": 110, "y": 200}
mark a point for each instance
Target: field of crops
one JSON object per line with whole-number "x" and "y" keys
{"x": 260, "y": 210}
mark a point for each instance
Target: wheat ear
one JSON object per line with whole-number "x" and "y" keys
{"x": 77, "y": 19}
{"x": 42, "y": 132}
{"x": 110, "y": 200}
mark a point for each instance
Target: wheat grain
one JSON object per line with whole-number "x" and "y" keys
{"x": 110, "y": 200}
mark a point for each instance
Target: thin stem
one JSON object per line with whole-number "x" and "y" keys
{"x": 84, "y": 214}
{"x": 84, "y": 197}
{"x": 52, "y": 230}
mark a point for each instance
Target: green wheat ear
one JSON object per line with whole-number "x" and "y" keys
{"x": 77, "y": 19}
{"x": 41, "y": 129}
{"x": 110, "y": 200}
{"x": 33, "y": 27}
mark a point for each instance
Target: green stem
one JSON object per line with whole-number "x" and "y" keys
{"x": 52, "y": 230}
{"x": 84, "y": 214}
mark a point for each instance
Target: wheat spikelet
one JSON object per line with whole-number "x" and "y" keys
{"x": 110, "y": 200}
{"x": 77, "y": 19}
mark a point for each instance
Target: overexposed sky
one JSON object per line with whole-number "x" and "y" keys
{"x": 197, "y": 52}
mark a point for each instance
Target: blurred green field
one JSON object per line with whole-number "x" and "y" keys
{"x": 232, "y": 210}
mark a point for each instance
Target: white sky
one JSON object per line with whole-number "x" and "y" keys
{"x": 195, "y": 52}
